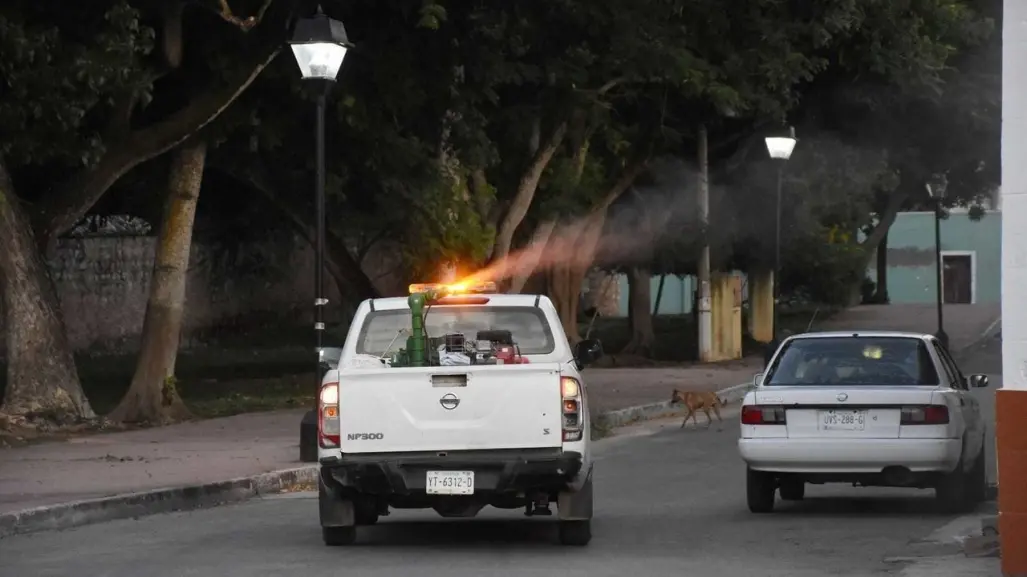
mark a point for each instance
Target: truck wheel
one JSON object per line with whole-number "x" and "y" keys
{"x": 950, "y": 493}
{"x": 792, "y": 490}
{"x": 308, "y": 437}
{"x": 338, "y": 536}
{"x": 977, "y": 481}
{"x": 760, "y": 488}
{"x": 575, "y": 533}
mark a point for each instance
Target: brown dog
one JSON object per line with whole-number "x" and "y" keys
{"x": 695, "y": 401}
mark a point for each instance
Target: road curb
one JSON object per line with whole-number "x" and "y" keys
{"x": 629, "y": 415}
{"x": 125, "y": 506}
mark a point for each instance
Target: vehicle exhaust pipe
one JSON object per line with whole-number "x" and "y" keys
{"x": 897, "y": 476}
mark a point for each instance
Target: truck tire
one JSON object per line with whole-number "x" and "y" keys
{"x": 338, "y": 536}
{"x": 950, "y": 493}
{"x": 575, "y": 533}
{"x": 308, "y": 437}
{"x": 760, "y": 490}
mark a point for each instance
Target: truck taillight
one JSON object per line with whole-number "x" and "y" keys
{"x": 925, "y": 415}
{"x": 570, "y": 393}
{"x": 328, "y": 416}
{"x": 763, "y": 415}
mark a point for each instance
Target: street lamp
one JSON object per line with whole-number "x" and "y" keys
{"x": 319, "y": 44}
{"x": 936, "y": 190}
{"x": 780, "y": 149}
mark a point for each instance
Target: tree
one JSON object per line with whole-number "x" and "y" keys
{"x": 90, "y": 104}
{"x": 152, "y": 396}
{"x": 919, "y": 82}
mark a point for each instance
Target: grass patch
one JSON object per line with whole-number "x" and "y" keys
{"x": 212, "y": 382}
{"x": 600, "y": 430}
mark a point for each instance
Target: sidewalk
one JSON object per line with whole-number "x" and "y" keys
{"x": 216, "y": 450}
{"x": 965, "y": 324}
{"x": 948, "y": 551}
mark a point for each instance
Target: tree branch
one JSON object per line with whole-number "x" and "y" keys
{"x": 244, "y": 24}
{"x": 526, "y": 188}
{"x": 345, "y": 269}
{"x": 887, "y": 219}
{"x": 627, "y": 178}
{"x": 62, "y": 209}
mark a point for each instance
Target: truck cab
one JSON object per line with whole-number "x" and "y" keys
{"x": 454, "y": 399}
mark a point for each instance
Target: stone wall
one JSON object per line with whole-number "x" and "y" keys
{"x": 103, "y": 285}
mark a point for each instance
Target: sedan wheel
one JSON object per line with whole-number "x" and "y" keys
{"x": 977, "y": 481}
{"x": 760, "y": 488}
{"x": 951, "y": 491}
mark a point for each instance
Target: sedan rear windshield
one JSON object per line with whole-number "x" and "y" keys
{"x": 847, "y": 361}
{"x": 386, "y": 331}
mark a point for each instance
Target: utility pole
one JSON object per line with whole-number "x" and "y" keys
{"x": 705, "y": 309}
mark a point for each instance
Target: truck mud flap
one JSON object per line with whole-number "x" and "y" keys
{"x": 333, "y": 509}
{"x": 576, "y": 505}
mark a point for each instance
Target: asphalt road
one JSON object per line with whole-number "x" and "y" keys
{"x": 668, "y": 502}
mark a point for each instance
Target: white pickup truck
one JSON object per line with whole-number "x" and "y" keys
{"x": 454, "y": 400}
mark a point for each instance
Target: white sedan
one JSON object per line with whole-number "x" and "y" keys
{"x": 871, "y": 409}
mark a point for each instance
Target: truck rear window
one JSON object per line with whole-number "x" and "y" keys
{"x": 844, "y": 361}
{"x": 528, "y": 326}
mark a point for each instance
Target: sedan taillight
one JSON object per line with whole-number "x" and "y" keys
{"x": 925, "y": 415}
{"x": 763, "y": 415}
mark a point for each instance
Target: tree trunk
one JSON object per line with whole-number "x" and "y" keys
{"x": 532, "y": 255}
{"x": 881, "y": 293}
{"x": 640, "y": 319}
{"x": 571, "y": 253}
{"x": 563, "y": 285}
{"x": 42, "y": 381}
{"x": 873, "y": 240}
{"x": 153, "y": 396}
{"x": 526, "y": 188}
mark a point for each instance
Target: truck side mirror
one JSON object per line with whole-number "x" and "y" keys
{"x": 587, "y": 351}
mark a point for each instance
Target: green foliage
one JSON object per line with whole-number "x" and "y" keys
{"x": 920, "y": 80}
{"x": 443, "y": 226}
{"x": 824, "y": 272}
{"x": 63, "y": 66}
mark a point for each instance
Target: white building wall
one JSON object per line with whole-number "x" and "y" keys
{"x": 1014, "y": 195}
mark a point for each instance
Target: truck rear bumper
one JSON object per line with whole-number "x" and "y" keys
{"x": 500, "y": 471}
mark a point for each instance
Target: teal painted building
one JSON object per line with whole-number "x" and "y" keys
{"x": 971, "y": 258}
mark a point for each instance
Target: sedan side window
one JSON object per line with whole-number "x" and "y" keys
{"x": 948, "y": 360}
{"x": 953, "y": 378}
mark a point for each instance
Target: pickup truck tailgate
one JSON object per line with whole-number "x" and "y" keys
{"x": 450, "y": 408}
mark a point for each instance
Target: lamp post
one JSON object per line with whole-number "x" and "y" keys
{"x": 319, "y": 44}
{"x": 780, "y": 149}
{"x": 936, "y": 190}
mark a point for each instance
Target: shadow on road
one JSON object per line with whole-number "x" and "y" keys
{"x": 455, "y": 534}
{"x": 863, "y": 508}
